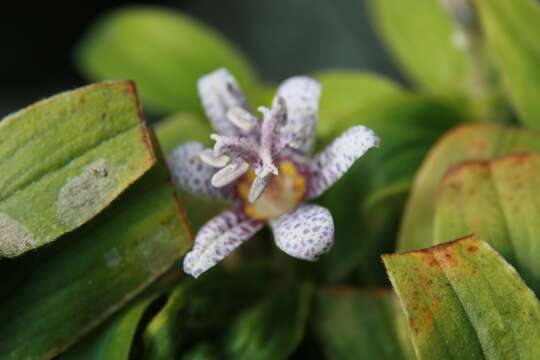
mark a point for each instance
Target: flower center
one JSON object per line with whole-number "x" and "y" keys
{"x": 284, "y": 192}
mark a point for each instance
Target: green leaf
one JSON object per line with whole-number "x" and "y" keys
{"x": 497, "y": 200}
{"x": 470, "y": 142}
{"x": 463, "y": 301}
{"x": 512, "y": 29}
{"x": 51, "y": 298}
{"x": 114, "y": 339}
{"x": 360, "y": 236}
{"x": 64, "y": 159}
{"x": 164, "y": 51}
{"x": 200, "y": 309}
{"x": 346, "y": 98}
{"x": 408, "y": 126}
{"x": 180, "y": 128}
{"x": 202, "y": 351}
{"x": 358, "y": 324}
{"x": 271, "y": 329}
{"x": 420, "y": 34}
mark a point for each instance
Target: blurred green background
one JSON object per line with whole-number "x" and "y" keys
{"x": 280, "y": 37}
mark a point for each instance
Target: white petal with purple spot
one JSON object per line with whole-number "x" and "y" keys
{"x": 301, "y": 95}
{"x": 219, "y": 92}
{"x": 334, "y": 161}
{"x": 191, "y": 174}
{"x": 218, "y": 238}
{"x": 306, "y": 233}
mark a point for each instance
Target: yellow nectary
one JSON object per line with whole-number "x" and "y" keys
{"x": 284, "y": 192}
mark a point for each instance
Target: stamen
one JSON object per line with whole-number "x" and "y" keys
{"x": 237, "y": 146}
{"x": 259, "y": 184}
{"x": 241, "y": 118}
{"x": 273, "y": 121}
{"x": 268, "y": 166}
{"x": 209, "y": 157}
{"x": 229, "y": 173}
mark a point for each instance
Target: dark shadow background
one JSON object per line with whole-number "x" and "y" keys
{"x": 281, "y": 37}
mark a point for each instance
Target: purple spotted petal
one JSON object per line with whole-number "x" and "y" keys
{"x": 219, "y": 92}
{"x": 301, "y": 95}
{"x": 190, "y": 173}
{"x": 219, "y": 237}
{"x": 334, "y": 161}
{"x": 305, "y": 233}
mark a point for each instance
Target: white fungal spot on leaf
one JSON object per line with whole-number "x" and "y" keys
{"x": 15, "y": 238}
{"x": 82, "y": 196}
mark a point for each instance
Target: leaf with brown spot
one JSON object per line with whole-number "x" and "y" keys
{"x": 475, "y": 305}
{"x": 50, "y": 298}
{"x": 468, "y": 142}
{"x": 499, "y": 200}
{"x": 66, "y": 158}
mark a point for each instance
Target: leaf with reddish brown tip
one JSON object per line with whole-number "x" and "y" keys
{"x": 66, "y": 158}
{"x": 50, "y": 298}
{"x": 499, "y": 200}
{"x": 463, "y": 301}
{"x": 469, "y": 142}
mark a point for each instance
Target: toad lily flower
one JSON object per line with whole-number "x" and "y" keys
{"x": 263, "y": 168}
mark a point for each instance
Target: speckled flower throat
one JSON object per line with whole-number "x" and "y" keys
{"x": 263, "y": 167}
{"x": 282, "y": 193}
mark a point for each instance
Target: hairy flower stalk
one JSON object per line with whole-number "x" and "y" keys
{"x": 263, "y": 168}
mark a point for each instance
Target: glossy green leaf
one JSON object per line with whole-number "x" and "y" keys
{"x": 421, "y": 36}
{"x": 114, "y": 339}
{"x": 470, "y": 142}
{"x": 498, "y": 200}
{"x": 272, "y": 329}
{"x": 358, "y": 324}
{"x": 512, "y": 30}
{"x": 51, "y": 298}
{"x": 64, "y": 159}
{"x": 200, "y": 309}
{"x": 463, "y": 301}
{"x": 164, "y": 51}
